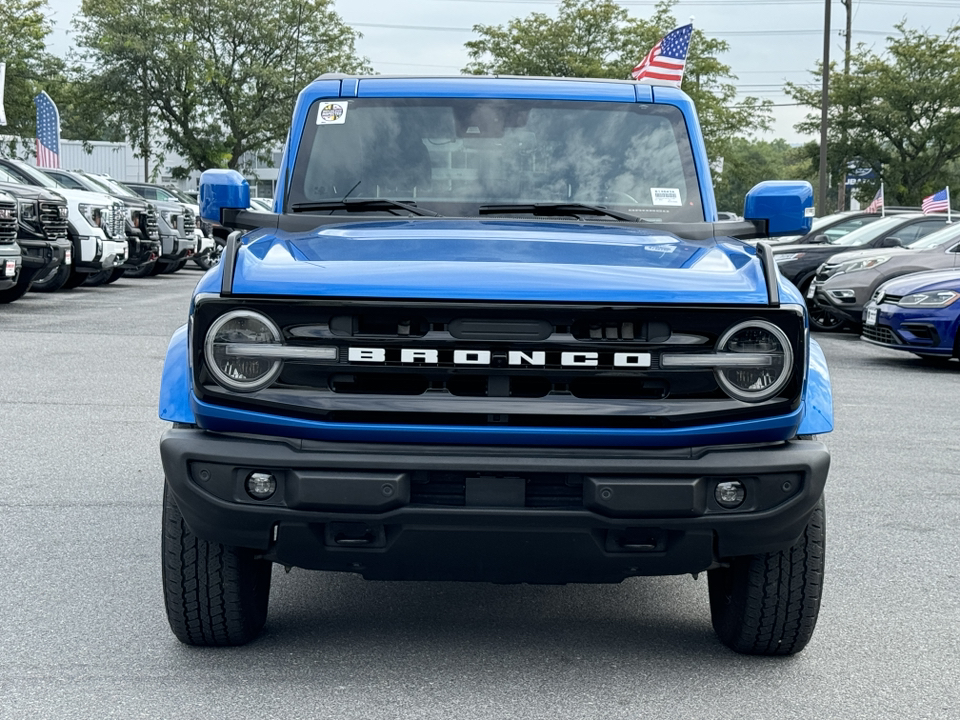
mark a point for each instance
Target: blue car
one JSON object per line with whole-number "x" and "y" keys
{"x": 919, "y": 313}
{"x": 492, "y": 330}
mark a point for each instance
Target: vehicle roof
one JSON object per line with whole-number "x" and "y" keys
{"x": 493, "y": 86}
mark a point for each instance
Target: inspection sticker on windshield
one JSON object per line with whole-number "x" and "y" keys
{"x": 332, "y": 113}
{"x": 666, "y": 196}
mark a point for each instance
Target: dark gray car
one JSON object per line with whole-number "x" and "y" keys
{"x": 845, "y": 283}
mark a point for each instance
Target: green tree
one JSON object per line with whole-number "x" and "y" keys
{"x": 598, "y": 38}
{"x": 897, "y": 112}
{"x": 748, "y": 162}
{"x": 30, "y": 68}
{"x": 216, "y": 79}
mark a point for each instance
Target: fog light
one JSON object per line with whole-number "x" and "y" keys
{"x": 729, "y": 494}
{"x": 261, "y": 485}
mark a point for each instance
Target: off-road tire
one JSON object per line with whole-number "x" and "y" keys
{"x": 52, "y": 280}
{"x": 215, "y": 595}
{"x": 768, "y": 604}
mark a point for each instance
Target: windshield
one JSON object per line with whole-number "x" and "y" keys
{"x": 454, "y": 155}
{"x": 181, "y": 196}
{"x": 35, "y": 176}
{"x": 109, "y": 185}
{"x": 7, "y": 177}
{"x": 946, "y": 235}
{"x": 868, "y": 232}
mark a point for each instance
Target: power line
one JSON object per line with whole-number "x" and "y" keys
{"x": 720, "y": 33}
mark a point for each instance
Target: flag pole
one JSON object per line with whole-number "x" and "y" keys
{"x": 949, "y": 211}
{"x": 883, "y": 201}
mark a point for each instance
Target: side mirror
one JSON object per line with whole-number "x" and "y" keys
{"x": 819, "y": 239}
{"x": 784, "y": 207}
{"x": 222, "y": 190}
{"x": 891, "y": 242}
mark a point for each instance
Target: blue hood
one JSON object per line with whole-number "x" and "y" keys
{"x": 924, "y": 282}
{"x": 487, "y": 259}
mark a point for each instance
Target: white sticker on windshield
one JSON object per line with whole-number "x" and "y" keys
{"x": 332, "y": 113}
{"x": 666, "y": 196}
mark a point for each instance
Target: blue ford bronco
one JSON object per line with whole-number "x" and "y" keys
{"x": 493, "y": 331}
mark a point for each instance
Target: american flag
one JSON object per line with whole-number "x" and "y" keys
{"x": 48, "y": 132}
{"x": 938, "y": 202}
{"x": 877, "y": 204}
{"x": 664, "y": 64}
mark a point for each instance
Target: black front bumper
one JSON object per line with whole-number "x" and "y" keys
{"x": 41, "y": 255}
{"x": 10, "y": 257}
{"x": 140, "y": 251}
{"x": 498, "y": 514}
{"x": 851, "y": 312}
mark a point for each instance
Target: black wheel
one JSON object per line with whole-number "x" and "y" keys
{"x": 142, "y": 271}
{"x": 18, "y": 290}
{"x": 208, "y": 259}
{"x": 98, "y": 278}
{"x": 75, "y": 280}
{"x": 823, "y": 320}
{"x": 158, "y": 267}
{"x": 215, "y": 595}
{"x": 768, "y": 604}
{"x": 116, "y": 275}
{"x": 173, "y": 267}
{"x": 52, "y": 280}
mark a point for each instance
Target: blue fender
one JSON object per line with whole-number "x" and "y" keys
{"x": 175, "y": 382}
{"x": 818, "y": 395}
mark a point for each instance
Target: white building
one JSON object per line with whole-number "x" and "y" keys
{"x": 119, "y": 161}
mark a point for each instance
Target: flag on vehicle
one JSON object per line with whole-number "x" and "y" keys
{"x": 665, "y": 63}
{"x": 48, "y": 132}
{"x": 876, "y": 205}
{"x": 938, "y": 202}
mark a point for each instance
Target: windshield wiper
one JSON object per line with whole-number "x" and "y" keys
{"x": 567, "y": 208}
{"x": 363, "y": 205}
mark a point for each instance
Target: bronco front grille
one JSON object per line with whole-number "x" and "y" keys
{"x": 53, "y": 219}
{"x": 8, "y": 222}
{"x": 509, "y": 388}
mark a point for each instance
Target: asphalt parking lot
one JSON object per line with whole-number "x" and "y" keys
{"x": 83, "y": 632}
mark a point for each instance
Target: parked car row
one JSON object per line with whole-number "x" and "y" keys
{"x": 894, "y": 279}
{"x": 61, "y": 229}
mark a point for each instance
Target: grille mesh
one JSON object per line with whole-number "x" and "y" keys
{"x": 880, "y": 333}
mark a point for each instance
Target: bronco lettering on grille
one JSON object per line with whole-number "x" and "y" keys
{"x": 513, "y": 358}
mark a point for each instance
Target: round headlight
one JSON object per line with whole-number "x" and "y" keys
{"x": 241, "y": 372}
{"x": 766, "y": 344}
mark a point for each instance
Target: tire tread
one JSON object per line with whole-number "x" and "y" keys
{"x": 216, "y": 595}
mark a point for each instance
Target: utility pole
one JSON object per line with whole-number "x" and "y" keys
{"x": 825, "y": 104}
{"x": 842, "y": 188}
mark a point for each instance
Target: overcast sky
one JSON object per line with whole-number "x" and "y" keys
{"x": 771, "y": 41}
